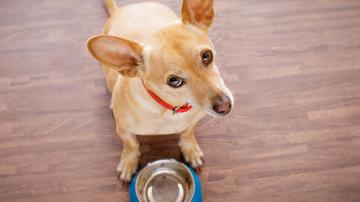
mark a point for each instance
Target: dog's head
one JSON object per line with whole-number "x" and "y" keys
{"x": 177, "y": 62}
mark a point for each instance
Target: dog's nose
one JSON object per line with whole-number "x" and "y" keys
{"x": 221, "y": 104}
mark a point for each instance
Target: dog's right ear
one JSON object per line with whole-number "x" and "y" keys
{"x": 199, "y": 13}
{"x": 122, "y": 55}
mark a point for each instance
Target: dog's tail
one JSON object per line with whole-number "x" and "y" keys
{"x": 110, "y": 6}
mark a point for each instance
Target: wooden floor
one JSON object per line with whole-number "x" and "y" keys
{"x": 294, "y": 135}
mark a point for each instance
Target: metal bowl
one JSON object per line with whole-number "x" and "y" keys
{"x": 164, "y": 181}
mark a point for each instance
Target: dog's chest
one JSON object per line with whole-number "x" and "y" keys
{"x": 166, "y": 124}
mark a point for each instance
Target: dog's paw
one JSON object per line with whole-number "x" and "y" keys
{"x": 192, "y": 153}
{"x": 127, "y": 167}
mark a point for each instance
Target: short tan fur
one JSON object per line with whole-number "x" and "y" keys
{"x": 147, "y": 42}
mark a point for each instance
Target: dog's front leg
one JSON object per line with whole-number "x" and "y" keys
{"x": 190, "y": 148}
{"x": 130, "y": 156}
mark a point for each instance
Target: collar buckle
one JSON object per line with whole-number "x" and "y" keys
{"x": 175, "y": 110}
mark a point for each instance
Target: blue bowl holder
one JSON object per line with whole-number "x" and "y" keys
{"x": 196, "y": 198}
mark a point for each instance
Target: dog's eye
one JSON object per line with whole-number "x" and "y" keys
{"x": 207, "y": 56}
{"x": 175, "y": 81}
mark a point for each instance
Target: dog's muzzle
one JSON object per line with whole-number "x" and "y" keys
{"x": 221, "y": 105}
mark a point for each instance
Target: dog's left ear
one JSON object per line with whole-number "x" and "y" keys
{"x": 120, "y": 54}
{"x": 198, "y": 12}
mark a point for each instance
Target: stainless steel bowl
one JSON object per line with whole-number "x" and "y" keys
{"x": 164, "y": 181}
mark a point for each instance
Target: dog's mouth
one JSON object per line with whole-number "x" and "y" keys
{"x": 220, "y": 106}
{"x": 212, "y": 113}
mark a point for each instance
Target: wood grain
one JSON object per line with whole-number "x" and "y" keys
{"x": 294, "y": 135}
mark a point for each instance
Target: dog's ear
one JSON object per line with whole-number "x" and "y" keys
{"x": 122, "y": 55}
{"x": 198, "y": 12}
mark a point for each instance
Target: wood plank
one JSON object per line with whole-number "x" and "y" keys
{"x": 294, "y": 135}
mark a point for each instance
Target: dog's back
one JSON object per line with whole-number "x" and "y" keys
{"x": 137, "y": 21}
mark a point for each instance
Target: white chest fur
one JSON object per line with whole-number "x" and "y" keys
{"x": 168, "y": 123}
{"x": 136, "y": 112}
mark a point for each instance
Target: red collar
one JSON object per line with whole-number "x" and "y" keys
{"x": 176, "y": 109}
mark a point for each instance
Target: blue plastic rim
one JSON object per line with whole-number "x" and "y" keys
{"x": 197, "y": 197}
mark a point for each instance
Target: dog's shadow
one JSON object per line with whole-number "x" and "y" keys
{"x": 156, "y": 147}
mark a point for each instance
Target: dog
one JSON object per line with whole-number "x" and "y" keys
{"x": 161, "y": 73}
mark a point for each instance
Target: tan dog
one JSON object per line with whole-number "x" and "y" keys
{"x": 161, "y": 73}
